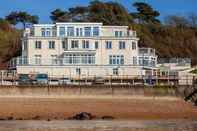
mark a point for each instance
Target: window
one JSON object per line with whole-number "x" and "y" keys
{"x": 118, "y": 34}
{"x": 62, "y": 31}
{"x": 64, "y": 45}
{"x": 81, "y": 32}
{"x": 96, "y": 45}
{"x": 51, "y": 44}
{"x": 95, "y": 31}
{"x": 115, "y": 71}
{"x": 38, "y": 45}
{"x": 74, "y": 44}
{"x": 121, "y": 59}
{"x": 134, "y": 60}
{"x": 54, "y": 60}
{"x": 54, "y": 33}
{"x": 43, "y": 32}
{"x": 25, "y": 61}
{"x": 48, "y": 32}
{"x": 87, "y": 31}
{"x": 77, "y": 31}
{"x": 70, "y": 31}
{"x": 85, "y": 44}
{"x": 78, "y": 58}
{"x": 153, "y": 62}
{"x": 78, "y": 71}
{"x": 122, "y": 45}
{"x": 38, "y": 59}
{"x": 116, "y": 59}
{"x": 141, "y": 61}
{"x": 146, "y": 61}
{"x": 134, "y": 46}
{"x": 24, "y": 46}
{"x": 108, "y": 45}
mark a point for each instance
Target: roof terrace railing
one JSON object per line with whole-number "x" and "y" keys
{"x": 147, "y": 51}
{"x": 177, "y": 61}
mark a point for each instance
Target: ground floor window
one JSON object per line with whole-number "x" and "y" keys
{"x": 115, "y": 71}
{"x": 38, "y": 59}
{"x": 147, "y": 61}
{"x": 54, "y": 60}
{"x": 79, "y": 59}
{"x": 78, "y": 71}
{"x": 116, "y": 59}
{"x": 134, "y": 60}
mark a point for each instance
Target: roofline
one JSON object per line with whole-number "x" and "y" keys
{"x": 115, "y": 26}
{"x": 79, "y": 23}
{"x": 41, "y": 25}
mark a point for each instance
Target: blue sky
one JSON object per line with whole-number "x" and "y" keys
{"x": 42, "y": 8}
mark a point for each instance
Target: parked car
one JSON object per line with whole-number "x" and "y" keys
{"x": 24, "y": 79}
{"x": 53, "y": 82}
{"x": 64, "y": 81}
{"x": 41, "y": 79}
{"x": 98, "y": 80}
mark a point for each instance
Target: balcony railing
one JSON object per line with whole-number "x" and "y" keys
{"x": 147, "y": 52}
{"x": 67, "y": 60}
{"x": 31, "y": 33}
{"x": 176, "y": 61}
{"x": 72, "y": 60}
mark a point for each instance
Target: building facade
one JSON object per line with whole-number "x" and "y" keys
{"x": 83, "y": 49}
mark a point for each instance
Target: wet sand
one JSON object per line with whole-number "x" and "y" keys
{"x": 121, "y": 108}
{"x": 138, "y": 125}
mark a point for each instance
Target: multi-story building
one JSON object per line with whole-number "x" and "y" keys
{"x": 83, "y": 49}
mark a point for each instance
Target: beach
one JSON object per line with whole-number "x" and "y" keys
{"x": 120, "y": 108}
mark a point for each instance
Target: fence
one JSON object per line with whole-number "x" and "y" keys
{"x": 11, "y": 78}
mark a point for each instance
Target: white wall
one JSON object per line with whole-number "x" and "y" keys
{"x": 107, "y": 33}
{"x": 70, "y": 71}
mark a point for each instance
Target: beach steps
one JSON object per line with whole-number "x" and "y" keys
{"x": 190, "y": 94}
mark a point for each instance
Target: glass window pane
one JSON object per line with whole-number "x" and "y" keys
{"x": 70, "y": 31}
{"x": 96, "y": 31}
{"x": 62, "y": 31}
{"x": 87, "y": 31}
{"x": 96, "y": 45}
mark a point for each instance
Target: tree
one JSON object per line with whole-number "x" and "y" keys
{"x": 192, "y": 18}
{"x": 58, "y": 16}
{"x": 10, "y": 43}
{"x": 145, "y": 14}
{"x": 4, "y": 25}
{"x": 23, "y": 17}
{"x": 79, "y": 14}
{"x": 176, "y": 21}
{"x": 110, "y": 13}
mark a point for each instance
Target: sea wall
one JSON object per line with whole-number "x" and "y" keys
{"x": 90, "y": 90}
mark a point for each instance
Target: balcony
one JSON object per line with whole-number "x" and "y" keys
{"x": 66, "y": 59}
{"x": 147, "y": 52}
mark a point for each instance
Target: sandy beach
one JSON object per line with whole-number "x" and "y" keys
{"x": 121, "y": 108}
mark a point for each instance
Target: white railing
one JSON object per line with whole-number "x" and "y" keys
{"x": 76, "y": 60}
{"x": 177, "y": 61}
{"x": 72, "y": 61}
{"x": 147, "y": 52}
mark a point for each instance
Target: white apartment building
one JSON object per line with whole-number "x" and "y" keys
{"x": 83, "y": 49}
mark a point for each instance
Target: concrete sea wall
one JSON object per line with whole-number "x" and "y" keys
{"x": 90, "y": 90}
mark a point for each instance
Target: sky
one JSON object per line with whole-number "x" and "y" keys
{"x": 42, "y": 8}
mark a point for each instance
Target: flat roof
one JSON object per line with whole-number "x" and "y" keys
{"x": 79, "y": 23}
